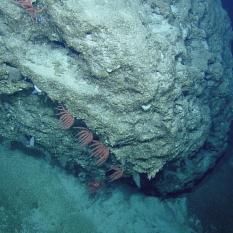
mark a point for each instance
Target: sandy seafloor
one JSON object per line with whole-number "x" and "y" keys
{"x": 36, "y": 197}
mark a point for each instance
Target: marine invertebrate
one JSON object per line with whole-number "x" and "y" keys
{"x": 27, "y": 5}
{"x": 117, "y": 173}
{"x": 85, "y": 136}
{"x": 31, "y": 142}
{"x": 65, "y": 117}
{"x": 36, "y": 91}
{"x": 100, "y": 150}
{"x": 95, "y": 185}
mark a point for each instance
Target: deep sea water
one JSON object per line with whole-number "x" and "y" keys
{"x": 228, "y": 6}
{"x": 212, "y": 199}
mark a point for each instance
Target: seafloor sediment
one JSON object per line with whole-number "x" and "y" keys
{"x": 38, "y": 198}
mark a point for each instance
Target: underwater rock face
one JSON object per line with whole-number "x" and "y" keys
{"x": 151, "y": 78}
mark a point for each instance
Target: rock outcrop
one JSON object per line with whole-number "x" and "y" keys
{"x": 152, "y": 79}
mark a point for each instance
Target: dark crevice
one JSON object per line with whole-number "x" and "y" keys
{"x": 149, "y": 186}
{"x": 228, "y": 6}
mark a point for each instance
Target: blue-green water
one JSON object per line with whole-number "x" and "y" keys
{"x": 212, "y": 199}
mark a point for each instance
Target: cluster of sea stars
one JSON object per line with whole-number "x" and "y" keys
{"x": 85, "y": 138}
{"x": 84, "y": 135}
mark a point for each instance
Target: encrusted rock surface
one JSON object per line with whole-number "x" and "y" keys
{"x": 153, "y": 79}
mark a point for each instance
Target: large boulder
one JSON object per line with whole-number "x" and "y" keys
{"x": 152, "y": 79}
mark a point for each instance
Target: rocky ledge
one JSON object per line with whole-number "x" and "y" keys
{"x": 152, "y": 81}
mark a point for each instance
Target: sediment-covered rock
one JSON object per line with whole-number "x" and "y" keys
{"x": 152, "y": 79}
